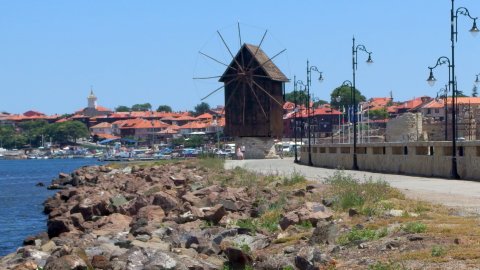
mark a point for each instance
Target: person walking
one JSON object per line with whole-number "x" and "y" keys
{"x": 239, "y": 153}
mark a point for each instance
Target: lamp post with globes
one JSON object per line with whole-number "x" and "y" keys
{"x": 477, "y": 81}
{"x": 309, "y": 83}
{"x": 452, "y": 78}
{"x": 355, "y": 50}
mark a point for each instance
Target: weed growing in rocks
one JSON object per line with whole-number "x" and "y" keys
{"x": 414, "y": 227}
{"x": 364, "y": 195}
{"x": 294, "y": 178}
{"x": 438, "y": 251}
{"x": 386, "y": 266}
{"x": 362, "y": 235}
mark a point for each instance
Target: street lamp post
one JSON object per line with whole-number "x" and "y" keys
{"x": 309, "y": 83}
{"x": 337, "y": 99}
{"x": 452, "y": 78}
{"x": 445, "y": 108}
{"x": 348, "y": 83}
{"x": 355, "y": 50}
{"x": 431, "y": 81}
{"x": 302, "y": 123}
{"x": 477, "y": 81}
{"x": 295, "y": 115}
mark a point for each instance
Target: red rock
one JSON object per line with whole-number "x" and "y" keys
{"x": 215, "y": 214}
{"x": 166, "y": 201}
{"x": 100, "y": 262}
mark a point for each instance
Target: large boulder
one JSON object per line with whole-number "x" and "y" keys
{"x": 324, "y": 233}
{"x": 165, "y": 200}
{"x": 58, "y": 225}
{"x": 214, "y": 214}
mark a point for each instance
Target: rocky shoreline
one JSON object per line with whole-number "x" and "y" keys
{"x": 170, "y": 216}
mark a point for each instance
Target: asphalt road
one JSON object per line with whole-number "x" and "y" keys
{"x": 452, "y": 193}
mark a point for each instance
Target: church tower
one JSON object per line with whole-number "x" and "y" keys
{"x": 92, "y": 100}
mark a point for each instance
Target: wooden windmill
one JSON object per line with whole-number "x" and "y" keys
{"x": 254, "y": 88}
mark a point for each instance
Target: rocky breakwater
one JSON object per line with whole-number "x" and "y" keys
{"x": 177, "y": 216}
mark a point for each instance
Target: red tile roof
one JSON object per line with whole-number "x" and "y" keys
{"x": 102, "y": 125}
{"x": 205, "y": 116}
{"x": 193, "y": 125}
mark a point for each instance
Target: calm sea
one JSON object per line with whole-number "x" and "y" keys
{"x": 21, "y": 201}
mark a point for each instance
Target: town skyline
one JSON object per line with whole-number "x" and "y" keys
{"x": 53, "y": 53}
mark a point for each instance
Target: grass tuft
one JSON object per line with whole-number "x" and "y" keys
{"x": 414, "y": 227}
{"x": 364, "y": 195}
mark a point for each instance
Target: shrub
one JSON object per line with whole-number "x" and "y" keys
{"x": 386, "y": 266}
{"x": 352, "y": 193}
{"x": 361, "y": 235}
{"x": 211, "y": 163}
{"x": 248, "y": 223}
{"x": 414, "y": 227}
{"x": 438, "y": 251}
{"x": 294, "y": 178}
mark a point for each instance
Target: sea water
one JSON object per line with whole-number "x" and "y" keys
{"x": 21, "y": 209}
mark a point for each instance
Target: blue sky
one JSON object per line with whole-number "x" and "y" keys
{"x": 51, "y": 52}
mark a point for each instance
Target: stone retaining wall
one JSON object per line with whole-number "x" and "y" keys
{"x": 432, "y": 159}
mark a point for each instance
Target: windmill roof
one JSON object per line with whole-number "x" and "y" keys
{"x": 271, "y": 70}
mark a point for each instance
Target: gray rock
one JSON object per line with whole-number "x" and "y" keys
{"x": 161, "y": 260}
{"x": 67, "y": 262}
{"x": 324, "y": 233}
{"x": 136, "y": 259}
{"x": 118, "y": 200}
{"x": 309, "y": 258}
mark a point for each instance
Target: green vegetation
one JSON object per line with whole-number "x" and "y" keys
{"x": 294, "y": 178}
{"x": 142, "y": 107}
{"x": 386, "y": 266}
{"x": 31, "y": 133}
{"x": 191, "y": 142}
{"x": 438, "y": 251}
{"x": 201, "y": 109}
{"x": 122, "y": 108}
{"x": 363, "y": 235}
{"x": 379, "y": 114}
{"x": 365, "y": 195}
{"x": 344, "y": 92}
{"x": 164, "y": 108}
{"x": 414, "y": 227}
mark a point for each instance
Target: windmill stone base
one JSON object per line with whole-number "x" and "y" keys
{"x": 257, "y": 147}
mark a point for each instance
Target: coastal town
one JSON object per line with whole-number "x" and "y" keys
{"x": 380, "y": 119}
{"x": 229, "y": 152}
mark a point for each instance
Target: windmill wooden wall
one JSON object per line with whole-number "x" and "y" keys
{"x": 249, "y": 110}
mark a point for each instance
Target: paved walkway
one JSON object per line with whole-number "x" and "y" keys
{"x": 454, "y": 193}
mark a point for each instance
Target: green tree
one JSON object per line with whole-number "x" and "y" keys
{"x": 319, "y": 102}
{"x": 194, "y": 141}
{"x": 475, "y": 91}
{"x": 10, "y": 138}
{"x": 164, "y": 108}
{"x": 33, "y": 131}
{"x": 379, "y": 114}
{"x": 67, "y": 132}
{"x": 460, "y": 93}
{"x": 142, "y": 107}
{"x": 122, "y": 108}
{"x": 201, "y": 108}
{"x": 301, "y": 97}
{"x": 344, "y": 92}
